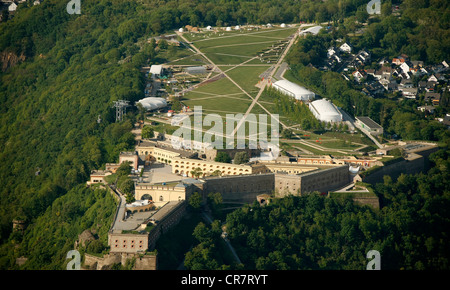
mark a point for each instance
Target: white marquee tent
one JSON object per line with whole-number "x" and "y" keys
{"x": 153, "y": 103}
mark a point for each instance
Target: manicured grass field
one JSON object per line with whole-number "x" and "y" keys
{"x": 247, "y": 77}
{"x": 226, "y": 49}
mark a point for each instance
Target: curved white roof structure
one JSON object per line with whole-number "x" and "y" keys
{"x": 153, "y": 103}
{"x": 294, "y": 90}
{"x": 353, "y": 170}
{"x": 324, "y": 110}
{"x": 313, "y": 30}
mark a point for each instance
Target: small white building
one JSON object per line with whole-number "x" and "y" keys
{"x": 346, "y": 48}
{"x": 331, "y": 51}
{"x": 12, "y": 7}
{"x": 156, "y": 70}
{"x": 369, "y": 125}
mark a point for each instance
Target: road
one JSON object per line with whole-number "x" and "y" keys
{"x": 262, "y": 87}
{"x": 254, "y": 100}
{"x": 209, "y": 220}
{"x": 120, "y": 212}
{"x": 261, "y": 90}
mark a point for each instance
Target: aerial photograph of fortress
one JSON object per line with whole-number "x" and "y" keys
{"x": 225, "y": 135}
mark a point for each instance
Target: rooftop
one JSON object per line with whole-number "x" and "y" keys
{"x": 292, "y": 87}
{"x": 313, "y": 30}
{"x": 325, "y": 108}
{"x": 183, "y": 153}
{"x": 369, "y": 122}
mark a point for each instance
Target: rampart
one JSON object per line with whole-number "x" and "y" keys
{"x": 141, "y": 262}
{"x": 318, "y": 180}
{"x": 416, "y": 162}
{"x": 240, "y": 188}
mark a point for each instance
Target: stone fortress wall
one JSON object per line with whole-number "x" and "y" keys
{"x": 243, "y": 183}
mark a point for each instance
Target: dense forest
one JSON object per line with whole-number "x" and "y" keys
{"x": 314, "y": 232}
{"x": 61, "y": 72}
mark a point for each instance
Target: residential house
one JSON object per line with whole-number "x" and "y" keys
{"x": 417, "y": 63}
{"x": 337, "y": 58}
{"x": 363, "y": 57}
{"x": 375, "y": 73}
{"x": 440, "y": 77}
{"x": 384, "y": 81}
{"x": 446, "y": 121}
{"x": 406, "y": 83}
{"x": 346, "y": 48}
{"x": 375, "y": 88}
{"x": 359, "y": 75}
{"x": 332, "y": 51}
{"x": 392, "y": 86}
{"x": 398, "y": 61}
{"x": 422, "y": 85}
{"x": 430, "y": 87}
{"x": 436, "y": 100}
{"x": 12, "y": 7}
{"x": 383, "y": 61}
{"x": 386, "y": 71}
{"x": 433, "y": 78}
{"x": 406, "y": 67}
{"x": 404, "y": 56}
{"x": 424, "y": 70}
{"x": 409, "y": 93}
{"x": 427, "y": 109}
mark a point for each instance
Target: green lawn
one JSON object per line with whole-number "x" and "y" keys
{"x": 246, "y": 77}
{"x": 219, "y": 87}
{"x": 189, "y": 60}
{"x": 220, "y": 105}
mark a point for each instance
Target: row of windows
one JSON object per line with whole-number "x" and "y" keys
{"x": 218, "y": 167}
{"x": 244, "y": 187}
{"x": 132, "y": 241}
{"x": 161, "y": 198}
{"x": 204, "y": 165}
{"x": 313, "y": 162}
{"x": 290, "y": 171}
{"x": 132, "y": 246}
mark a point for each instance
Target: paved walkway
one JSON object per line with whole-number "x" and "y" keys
{"x": 209, "y": 220}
